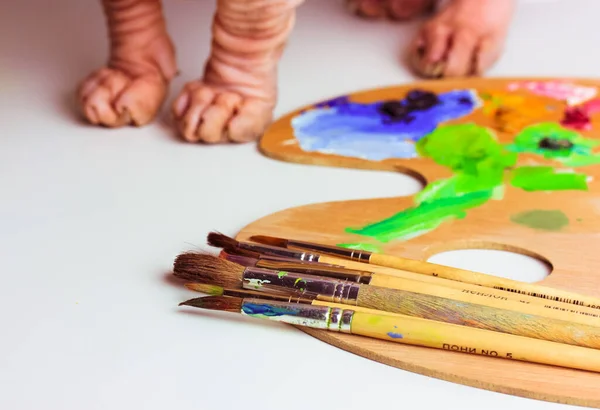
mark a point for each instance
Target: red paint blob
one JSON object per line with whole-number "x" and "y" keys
{"x": 577, "y": 118}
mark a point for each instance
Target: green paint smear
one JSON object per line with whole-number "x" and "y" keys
{"x": 479, "y": 164}
{"x": 579, "y": 155}
{"x": 468, "y": 149}
{"x": 455, "y": 186}
{"x": 361, "y": 247}
{"x": 541, "y": 178}
{"x": 281, "y": 274}
{"x": 478, "y": 161}
{"x": 546, "y": 220}
{"x": 423, "y": 218}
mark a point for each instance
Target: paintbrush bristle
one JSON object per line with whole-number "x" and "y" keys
{"x": 205, "y": 268}
{"x": 223, "y": 303}
{"x": 205, "y": 288}
{"x": 219, "y": 240}
{"x": 270, "y": 240}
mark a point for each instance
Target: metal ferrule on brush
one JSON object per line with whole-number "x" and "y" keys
{"x": 280, "y": 252}
{"x": 308, "y": 286}
{"x": 316, "y": 317}
{"x": 352, "y": 254}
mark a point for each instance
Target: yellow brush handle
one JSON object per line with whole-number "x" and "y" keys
{"x": 476, "y": 315}
{"x": 437, "y": 335}
{"x": 481, "y": 279}
{"x": 571, "y": 313}
{"x": 382, "y": 271}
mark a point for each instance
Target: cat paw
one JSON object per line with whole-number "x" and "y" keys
{"x": 212, "y": 115}
{"x": 464, "y": 39}
{"x": 112, "y": 98}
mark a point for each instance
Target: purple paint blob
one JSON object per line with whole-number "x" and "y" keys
{"x": 395, "y": 335}
{"x": 380, "y": 130}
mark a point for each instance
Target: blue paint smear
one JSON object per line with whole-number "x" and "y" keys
{"x": 358, "y": 130}
{"x": 395, "y": 335}
{"x": 267, "y": 310}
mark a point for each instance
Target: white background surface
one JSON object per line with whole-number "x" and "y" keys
{"x": 91, "y": 219}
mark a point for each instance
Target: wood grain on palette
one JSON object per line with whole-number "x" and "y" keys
{"x": 569, "y": 243}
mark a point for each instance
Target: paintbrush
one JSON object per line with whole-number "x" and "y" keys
{"x": 464, "y": 293}
{"x": 253, "y": 250}
{"x": 407, "y": 330}
{"x": 240, "y": 252}
{"x": 210, "y": 269}
{"x": 297, "y": 266}
{"x": 213, "y": 290}
{"x": 219, "y": 240}
{"x": 390, "y": 278}
{"x": 432, "y": 269}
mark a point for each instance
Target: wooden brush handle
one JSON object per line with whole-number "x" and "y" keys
{"x": 427, "y": 333}
{"x": 401, "y": 273}
{"x": 381, "y": 269}
{"x": 478, "y": 316}
{"x": 503, "y": 300}
{"x": 481, "y": 279}
{"x": 382, "y": 273}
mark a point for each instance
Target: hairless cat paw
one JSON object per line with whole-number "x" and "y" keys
{"x": 211, "y": 115}
{"x": 235, "y": 98}
{"x": 131, "y": 89}
{"x": 465, "y": 38}
{"x": 112, "y": 98}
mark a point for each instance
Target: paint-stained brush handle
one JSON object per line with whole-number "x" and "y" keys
{"x": 425, "y": 333}
{"x": 476, "y": 315}
{"x": 444, "y": 336}
{"x": 428, "y": 302}
{"x": 500, "y": 300}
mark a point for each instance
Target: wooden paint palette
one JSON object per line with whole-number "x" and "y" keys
{"x": 508, "y": 164}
